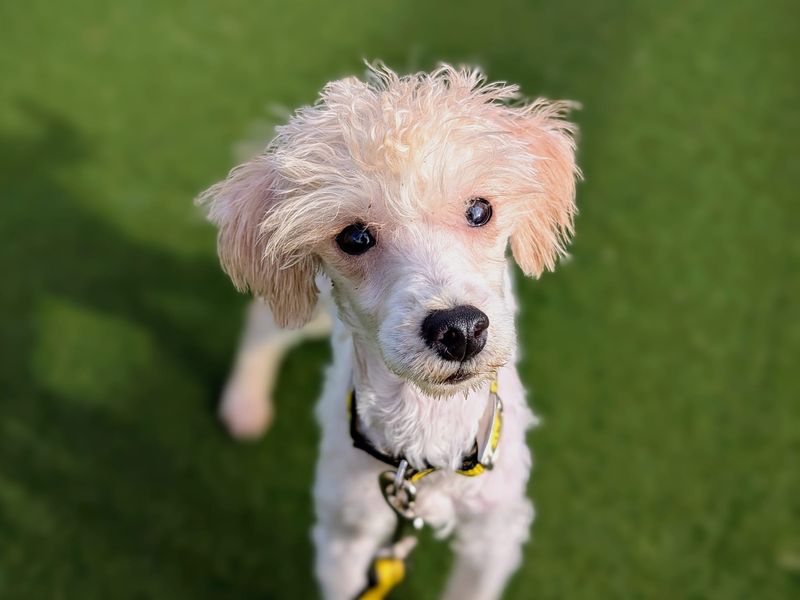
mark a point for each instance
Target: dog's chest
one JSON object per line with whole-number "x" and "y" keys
{"x": 426, "y": 431}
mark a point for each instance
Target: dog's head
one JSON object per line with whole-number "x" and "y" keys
{"x": 406, "y": 192}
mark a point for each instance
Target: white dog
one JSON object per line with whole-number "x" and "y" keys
{"x": 398, "y": 196}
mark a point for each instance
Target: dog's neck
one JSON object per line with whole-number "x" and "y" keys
{"x": 402, "y": 420}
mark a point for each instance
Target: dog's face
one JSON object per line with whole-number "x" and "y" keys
{"x": 427, "y": 291}
{"x": 406, "y": 192}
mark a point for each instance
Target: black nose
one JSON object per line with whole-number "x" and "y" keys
{"x": 457, "y": 333}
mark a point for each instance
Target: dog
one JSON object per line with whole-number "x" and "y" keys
{"x": 383, "y": 213}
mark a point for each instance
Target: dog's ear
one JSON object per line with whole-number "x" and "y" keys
{"x": 545, "y": 223}
{"x": 239, "y": 206}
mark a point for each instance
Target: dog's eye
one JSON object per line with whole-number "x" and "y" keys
{"x": 479, "y": 212}
{"x": 355, "y": 239}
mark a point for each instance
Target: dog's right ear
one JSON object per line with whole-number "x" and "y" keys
{"x": 239, "y": 206}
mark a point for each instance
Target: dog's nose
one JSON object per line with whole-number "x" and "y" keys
{"x": 457, "y": 333}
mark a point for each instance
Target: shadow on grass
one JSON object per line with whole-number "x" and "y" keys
{"x": 152, "y": 502}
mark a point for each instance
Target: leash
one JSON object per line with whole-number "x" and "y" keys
{"x": 388, "y": 567}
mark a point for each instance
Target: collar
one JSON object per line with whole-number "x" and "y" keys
{"x": 478, "y": 461}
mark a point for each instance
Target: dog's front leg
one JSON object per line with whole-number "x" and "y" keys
{"x": 352, "y": 522}
{"x": 488, "y": 549}
{"x": 343, "y": 558}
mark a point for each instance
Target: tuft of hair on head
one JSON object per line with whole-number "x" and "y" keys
{"x": 240, "y": 206}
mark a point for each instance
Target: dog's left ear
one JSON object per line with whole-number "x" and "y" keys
{"x": 545, "y": 224}
{"x": 240, "y": 206}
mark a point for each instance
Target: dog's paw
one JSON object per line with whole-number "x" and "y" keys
{"x": 246, "y": 413}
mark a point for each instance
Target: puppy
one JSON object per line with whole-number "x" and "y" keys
{"x": 395, "y": 199}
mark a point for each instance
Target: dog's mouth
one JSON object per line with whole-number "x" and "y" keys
{"x": 465, "y": 378}
{"x": 459, "y": 376}
{"x": 471, "y": 374}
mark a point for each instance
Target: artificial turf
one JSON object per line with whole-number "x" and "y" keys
{"x": 663, "y": 357}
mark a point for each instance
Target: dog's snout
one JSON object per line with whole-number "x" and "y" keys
{"x": 456, "y": 334}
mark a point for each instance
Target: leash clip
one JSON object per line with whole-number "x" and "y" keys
{"x": 401, "y": 495}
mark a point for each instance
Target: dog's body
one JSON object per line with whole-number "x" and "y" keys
{"x": 403, "y": 193}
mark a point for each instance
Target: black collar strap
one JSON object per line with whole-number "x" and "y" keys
{"x": 479, "y": 460}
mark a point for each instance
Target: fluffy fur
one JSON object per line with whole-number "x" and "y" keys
{"x": 403, "y": 155}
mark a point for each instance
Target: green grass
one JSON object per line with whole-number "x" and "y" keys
{"x": 663, "y": 357}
